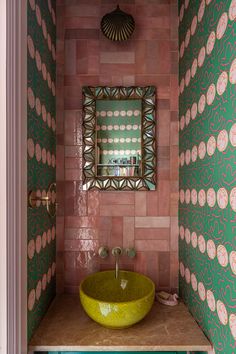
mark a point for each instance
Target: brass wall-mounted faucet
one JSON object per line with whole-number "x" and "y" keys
{"x": 117, "y": 252}
{"x": 103, "y": 252}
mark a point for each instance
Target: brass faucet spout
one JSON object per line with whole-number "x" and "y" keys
{"x": 116, "y": 251}
{"x": 117, "y": 267}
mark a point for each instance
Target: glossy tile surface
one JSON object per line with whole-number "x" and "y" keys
{"x": 145, "y": 220}
{"x": 67, "y": 327}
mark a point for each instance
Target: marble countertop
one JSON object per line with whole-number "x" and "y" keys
{"x": 67, "y": 327}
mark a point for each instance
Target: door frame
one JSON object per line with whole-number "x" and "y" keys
{"x": 16, "y": 175}
{"x": 3, "y": 238}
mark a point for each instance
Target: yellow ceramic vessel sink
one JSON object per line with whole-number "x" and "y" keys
{"x": 117, "y": 303}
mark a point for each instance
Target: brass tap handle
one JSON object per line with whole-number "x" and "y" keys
{"x": 130, "y": 252}
{"x": 103, "y": 252}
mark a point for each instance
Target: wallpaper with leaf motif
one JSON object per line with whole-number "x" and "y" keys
{"x": 207, "y": 128}
{"x": 41, "y": 143}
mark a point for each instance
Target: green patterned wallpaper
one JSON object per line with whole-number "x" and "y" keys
{"x": 207, "y": 207}
{"x": 41, "y": 76}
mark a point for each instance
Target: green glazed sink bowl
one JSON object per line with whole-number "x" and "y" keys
{"x": 117, "y": 303}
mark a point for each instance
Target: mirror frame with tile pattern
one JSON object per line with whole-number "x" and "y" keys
{"x": 147, "y": 179}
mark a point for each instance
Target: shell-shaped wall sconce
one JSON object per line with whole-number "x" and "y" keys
{"x": 117, "y": 25}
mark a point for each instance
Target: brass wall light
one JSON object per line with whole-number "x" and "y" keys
{"x": 35, "y": 201}
{"x": 117, "y": 25}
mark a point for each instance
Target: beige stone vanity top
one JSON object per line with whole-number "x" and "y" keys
{"x": 67, "y": 327}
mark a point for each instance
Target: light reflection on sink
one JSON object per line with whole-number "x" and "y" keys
{"x": 117, "y": 303}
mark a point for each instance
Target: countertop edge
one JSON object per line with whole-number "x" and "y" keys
{"x": 138, "y": 348}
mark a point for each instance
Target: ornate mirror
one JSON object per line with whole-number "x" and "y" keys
{"x": 119, "y": 149}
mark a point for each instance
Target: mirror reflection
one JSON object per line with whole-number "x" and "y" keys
{"x": 119, "y": 145}
{"x": 119, "y": 137}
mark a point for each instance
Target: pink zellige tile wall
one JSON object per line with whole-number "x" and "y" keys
{"x": 146, "y": 220}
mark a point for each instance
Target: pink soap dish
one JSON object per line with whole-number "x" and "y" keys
{"x": 167, "y": 299}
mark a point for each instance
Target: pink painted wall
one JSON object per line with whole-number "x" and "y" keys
{"x": 146, "y": 220}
